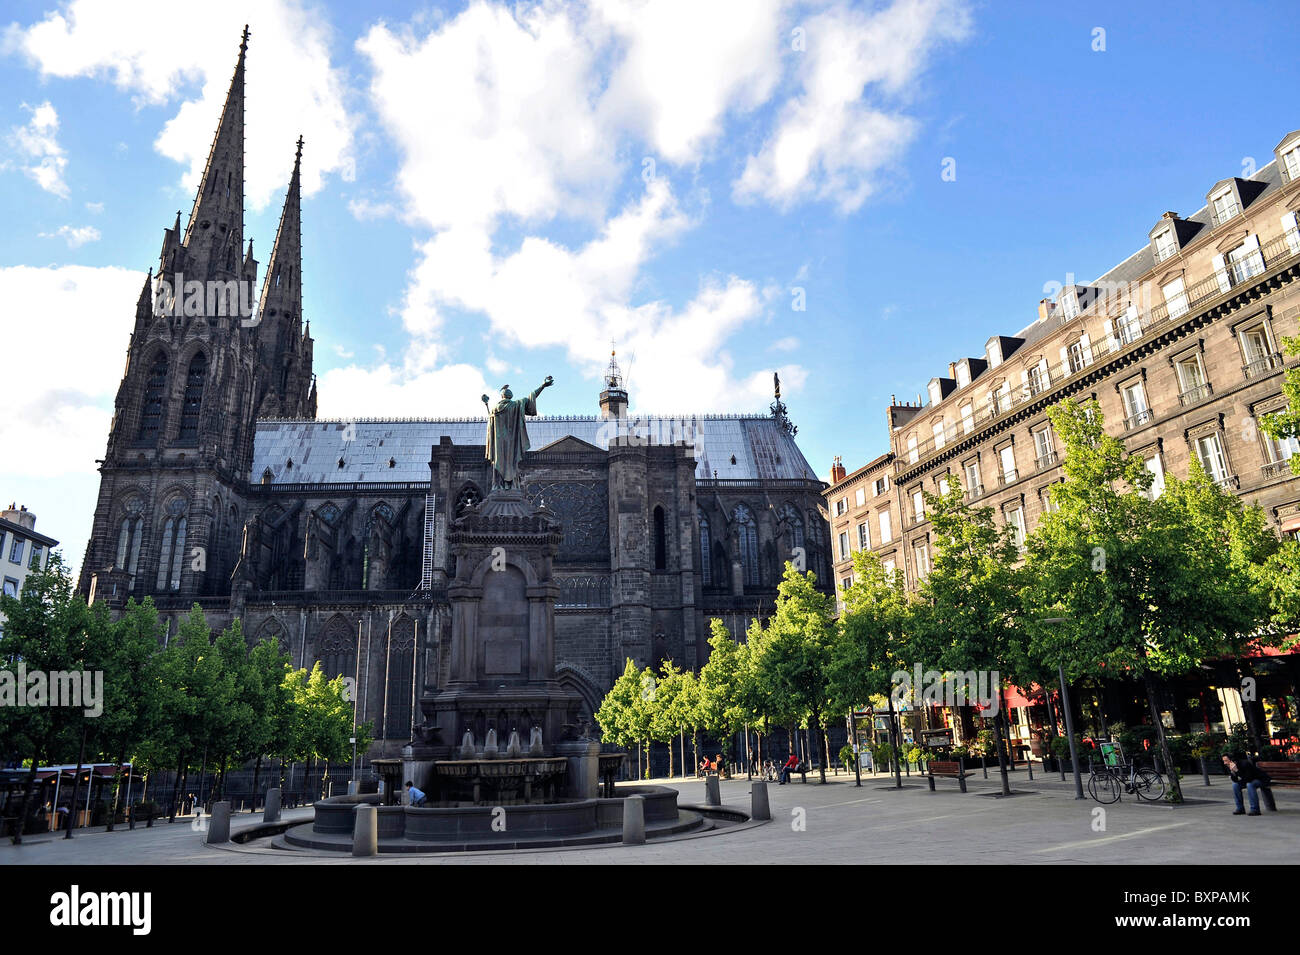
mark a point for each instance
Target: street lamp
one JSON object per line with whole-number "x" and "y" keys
{"x": 1069, "y": 719}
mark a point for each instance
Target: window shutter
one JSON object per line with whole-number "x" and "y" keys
{"x": 1112, "y": 336}
{"x": 1292, "y": 230}
{"x": 1221, "y": 273}
{"x": 1087, "y": 348}
{"x": 1065, "y": 361}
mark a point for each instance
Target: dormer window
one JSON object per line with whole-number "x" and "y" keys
{"x": 1070, "y": 303}
{"x": 1165, "y": 245}
{"x": 936, "y": 392}
{"x": 1288, "y": 156}
{"x": 994, "y": 352}
{"x": 963, "y": 373}
{"x": 1225, "y": 205}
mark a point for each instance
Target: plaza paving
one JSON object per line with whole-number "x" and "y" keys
{"x": 840, "y": 824}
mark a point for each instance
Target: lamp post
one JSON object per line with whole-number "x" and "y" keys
{"x": 1069, "y": 718}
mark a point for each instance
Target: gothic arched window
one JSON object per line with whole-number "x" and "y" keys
{"x": 789, "y": 515}
{"x": 172, "y": 551}
{"x": 401, "y": 668}
{"x": 468, "y": 498}
{"x": 661, "y": 540}
{"x": 747, "y": 539}
{"x": 151, "y": 410}
{"x": 128, "y": 538}
{"x": 193, "y": 400}
{"x": 338, "y": 649}
{"x": 706, "y": 563}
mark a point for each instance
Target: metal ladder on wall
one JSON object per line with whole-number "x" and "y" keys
{"x": 426, "y": 570}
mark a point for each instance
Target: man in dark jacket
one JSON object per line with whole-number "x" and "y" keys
{"x": 1244, "y": 776}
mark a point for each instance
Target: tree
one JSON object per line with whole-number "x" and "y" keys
{"x": 969, "y": 604}
{"x": 320, "y": 718}
{"x": 1150, "y": 587}
{"x": 871, "y": 641}
{"x": 670, "y": 712}
{"x": 795, "y": 652}
{"x": 625, "y": 713}
{"x": 722, "y": 684}
{"x": 49, "y": 629}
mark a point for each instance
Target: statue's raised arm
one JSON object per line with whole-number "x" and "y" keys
{"x": 507, "y": 435}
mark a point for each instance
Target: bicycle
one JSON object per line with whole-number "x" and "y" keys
{"x": 1105, "y": 785}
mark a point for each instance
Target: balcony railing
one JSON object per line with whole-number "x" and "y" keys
{"x": 1139, "y": 419}
{"x": 1008, "y": 477}
{"x": 1261, "y": 366}
{"x": 974, "y": 491}
{"x": 1275, "y": 469}
{"x": 1112, "y": 306}
{"x": 1047, "y": 460}
{"x": 1193, "y": 395}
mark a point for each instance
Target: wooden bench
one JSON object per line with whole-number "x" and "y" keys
{"x": 947, "y": 769}
{"x": 801, "y": 771}
{"x": 1285, "y": 775}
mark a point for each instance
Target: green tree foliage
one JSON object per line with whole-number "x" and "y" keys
{"x": 967, "y": 615}
{"x": 1151, "y": 587}
{"x": 792, "y": 656}
{"x": 723, "y": 690}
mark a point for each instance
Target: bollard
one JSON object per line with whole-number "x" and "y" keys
{"x": 219, "y": 824}
{"x": 1266, "y": 798}
{"x": 634, "y": 821}
{"x": 1205, "y": 771}
{"x": 271, "y": 812}
{"x": 712, "y": 790}
{"x": 365, "y": 831}
{"x": 759, "y": 808}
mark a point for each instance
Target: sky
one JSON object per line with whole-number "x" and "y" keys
{"x": 852, "y": 194}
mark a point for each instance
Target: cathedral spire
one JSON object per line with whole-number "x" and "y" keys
{"x": 217, "y": 218}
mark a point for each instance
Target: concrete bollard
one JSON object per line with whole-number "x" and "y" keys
{"x": 219, "y": 824}
{"x": 712, "y": 790}
{"x": 271, "y": 811}
{"x": 759, "y": 808}
{"x": 365, "y": 831}
{"x": 634, "y": 821}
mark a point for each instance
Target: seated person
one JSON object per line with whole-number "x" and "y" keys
{"x": 791, "y": 766}
{"x": 1245, "y": 775}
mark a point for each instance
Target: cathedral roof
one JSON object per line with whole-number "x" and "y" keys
{"x": 736, "y": 447}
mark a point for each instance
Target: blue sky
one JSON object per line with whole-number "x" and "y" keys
{"x": 494, "y": 192}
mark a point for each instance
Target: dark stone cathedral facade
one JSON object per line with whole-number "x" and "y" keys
{"x": 219, "y": 487}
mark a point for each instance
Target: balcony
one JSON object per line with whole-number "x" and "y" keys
{"x": 1009, "y": 477}
{"x": 1261, "y": 366}
{"x": 1275, "y": 469}
{"x": 1192, "y": 395}
{"x": 1138, "y": 420}
{"x": 974, "y": 491}
{"x": 1047, "y": 460}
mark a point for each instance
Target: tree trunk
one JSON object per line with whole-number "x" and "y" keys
{"x": 27, "y": 798}
{"x": 1002, "y": 754}
{"x": 257, "y": 773}
{"x": 821, "y": 741}
{"x": 176, "y": 787}
{"x": 670, "y": 757}
{"x": 117, "y": 786}
{"x": 76, "y": 786}
{"x": 1175, "y": 790}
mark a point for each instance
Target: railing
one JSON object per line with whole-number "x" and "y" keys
{"x": 1274, "y": 469}
{"x": 1193, "y": 395}
{"x": 1139, "y": 419}
{"x": 1112, "y": 306}
{"x": 1261, "y": 366}
{"x": 1047, "y": 460}
{"x": 974, "y": 491}
{"x": 1008, "y": 477}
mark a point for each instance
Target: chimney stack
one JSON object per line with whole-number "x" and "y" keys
{"x": 837, "y": 470}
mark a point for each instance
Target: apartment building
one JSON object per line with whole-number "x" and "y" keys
{"x": 1181, "y": 346}
{"x": 22, "y": 550}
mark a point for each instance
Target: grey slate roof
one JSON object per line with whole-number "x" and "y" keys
{"x": 762, "y": 449}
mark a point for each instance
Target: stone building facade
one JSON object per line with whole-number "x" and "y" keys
{"x": 1180, "y": 344}
{"x": 220, "y": 487}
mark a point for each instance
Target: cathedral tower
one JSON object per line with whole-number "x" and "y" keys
{"x": 198, "y": 365}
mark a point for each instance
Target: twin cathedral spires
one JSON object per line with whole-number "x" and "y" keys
{"x": 209, "y": 355}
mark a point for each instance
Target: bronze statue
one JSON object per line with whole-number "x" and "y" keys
{"x": 507, "y": 435}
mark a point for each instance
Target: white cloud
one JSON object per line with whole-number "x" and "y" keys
{"x": 60, "y": 402}
{"x": 95, "y": 207}
{"x": 384, "y": 390}
{"x": 38, "y": 141}
{"x": 160, "y": 51}
{"x": 76, "y": 236}
{"x": 843, "y": 127}
{"x": 789, "y": 343}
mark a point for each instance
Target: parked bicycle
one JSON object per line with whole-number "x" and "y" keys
{"x": 1116, "y": 776}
